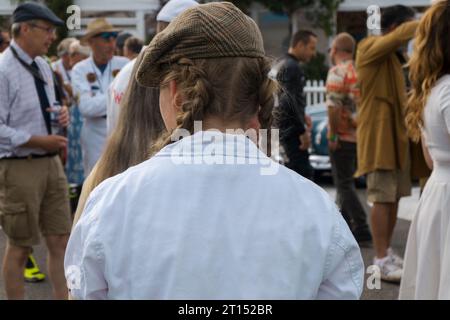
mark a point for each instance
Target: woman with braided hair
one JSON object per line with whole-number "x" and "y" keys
{"x": 202, "y": 218}
{"x": 427, "y": 258}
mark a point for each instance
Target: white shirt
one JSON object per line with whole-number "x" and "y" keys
{"x": 116, "y": 92}
{"x": 20, "y": 109}
{"x": 92, "y": 104}
{"x": 166, "y": 230}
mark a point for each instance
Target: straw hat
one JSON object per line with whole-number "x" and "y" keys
{"x": 95, "y": 27}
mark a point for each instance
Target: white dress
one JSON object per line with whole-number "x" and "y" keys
{"x": 427, "y": 260}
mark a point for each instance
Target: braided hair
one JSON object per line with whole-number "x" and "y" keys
{"x": 232, "y": 89}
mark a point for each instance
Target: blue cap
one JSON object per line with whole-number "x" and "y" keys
{"x": 32, "y": 10}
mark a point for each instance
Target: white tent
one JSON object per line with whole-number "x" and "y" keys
{"x": 362, "y": 5}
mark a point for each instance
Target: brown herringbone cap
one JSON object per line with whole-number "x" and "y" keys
{"x": 211, "y": 30}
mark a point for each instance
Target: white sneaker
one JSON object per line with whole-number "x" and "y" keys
{"x": 388, "y": 270}
{"x": 395, "y": 258}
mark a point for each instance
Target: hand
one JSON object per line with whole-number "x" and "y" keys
{"x": 64, "y": 118}
{"x": 333, "y": 145}
{"x": 305, "y": 140}
{"x": 51, "y": 143}
{"x": 68, "y": 89}
{"x": 308, "y": 122}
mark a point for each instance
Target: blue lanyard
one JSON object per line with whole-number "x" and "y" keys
{"x": 101, "y": 74}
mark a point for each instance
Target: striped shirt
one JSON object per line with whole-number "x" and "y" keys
{"x": 20, "y": 109}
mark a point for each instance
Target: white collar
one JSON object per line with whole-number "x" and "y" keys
{"x": 21, "y": 53}
{"x": 224, "y": 144}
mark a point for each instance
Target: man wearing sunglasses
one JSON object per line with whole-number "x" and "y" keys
{"x": 90, "y": 81}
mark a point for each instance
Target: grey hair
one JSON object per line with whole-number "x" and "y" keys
{"x": 15, "y": 28}
{"x": 76, "y": 46}
{"x": 64, "y": 45}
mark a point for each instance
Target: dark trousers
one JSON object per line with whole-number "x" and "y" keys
{"x": 299, "y": 162}
{"x": 343, "y": 166}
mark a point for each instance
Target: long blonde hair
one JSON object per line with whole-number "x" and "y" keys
{"x": 430, "y": 61}
{"x": 138, "y": 127}
{"x": 234, "y": 89}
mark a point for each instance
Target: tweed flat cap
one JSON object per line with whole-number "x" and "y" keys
{"x": 212, "y": 30}
{"x": 31, "y": 11}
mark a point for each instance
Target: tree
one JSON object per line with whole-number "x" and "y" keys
{"x": 321, "y": 12}
{"x": 59, "y": 7}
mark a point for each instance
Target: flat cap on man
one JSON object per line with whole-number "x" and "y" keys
{"x": 35, "y": 11}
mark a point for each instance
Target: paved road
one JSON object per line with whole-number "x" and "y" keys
{"x": 386, "y": 292}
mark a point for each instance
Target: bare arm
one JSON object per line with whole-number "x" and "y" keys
{"x": 426, "y": 153}
{"x": 332, "y": 120}
{"x": 49, "y": 143}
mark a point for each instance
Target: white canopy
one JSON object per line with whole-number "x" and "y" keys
{"x": 362, "y": 5}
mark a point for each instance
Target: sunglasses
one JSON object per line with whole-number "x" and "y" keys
{"x": 107, "y": 35}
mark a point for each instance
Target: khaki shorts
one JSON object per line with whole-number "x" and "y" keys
{"x": 387, "y": 186}
{"x": 33, "y": 198}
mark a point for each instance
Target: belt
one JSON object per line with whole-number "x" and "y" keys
{"x": 31, "y": 156}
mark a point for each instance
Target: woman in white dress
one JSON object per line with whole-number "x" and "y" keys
{"x": 427, "y": 259}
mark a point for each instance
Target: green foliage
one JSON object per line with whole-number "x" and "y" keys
{"x": 321, "y": 12}
{"x": 244, "y": 5}
{"x": 317, "y": 69}
{"x": 286, "y": 6}
{"x": 323, "y": 15}
{"x": 59, "y": 7}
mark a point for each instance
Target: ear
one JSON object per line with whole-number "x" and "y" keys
{"x": 175, "y": 96}
{"x": 254, "y": 123}
{"x": 24, "y": 27}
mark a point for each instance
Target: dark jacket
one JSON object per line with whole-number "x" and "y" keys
{"x": 290, "y": 114}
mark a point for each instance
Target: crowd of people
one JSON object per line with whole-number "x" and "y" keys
{"x": 94, "y": 146}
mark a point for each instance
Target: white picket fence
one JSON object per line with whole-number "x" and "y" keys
{"x": 315, "y": 92}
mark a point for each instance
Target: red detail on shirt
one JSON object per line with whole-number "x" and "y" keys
{"x": 117, "y": 96}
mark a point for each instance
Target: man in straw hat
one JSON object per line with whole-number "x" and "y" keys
{"x": 168, "y": 12}
{"x": 33, "y": 195}
{"x": 90, "y": 80}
